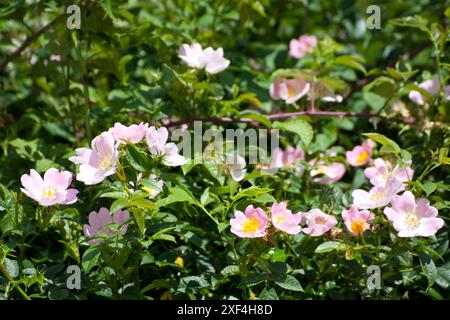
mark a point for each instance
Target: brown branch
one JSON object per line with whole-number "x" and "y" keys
{"x": 30, "y": 39}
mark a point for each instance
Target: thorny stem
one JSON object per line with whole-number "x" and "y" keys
{"x": 11, "y": 280}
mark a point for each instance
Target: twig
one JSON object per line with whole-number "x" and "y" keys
{"x": 25, "y": 44}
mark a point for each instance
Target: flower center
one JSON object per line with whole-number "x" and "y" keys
{"x": 148, "y": 190}
{"x": 362, "y": 157}
{"x": 49, "y": 192}
{"x": 412, "y": 221}
{"x": 291, "y": 91}
{"x": 320, "y": 220}
{"x": 106, "y": 162}
{"x": 377, "y": 196}
{"x": 279, "y": 219}
{"x": 358, "y": 226}
{"x": 251, "y": 225}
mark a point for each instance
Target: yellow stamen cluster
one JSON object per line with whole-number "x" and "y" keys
{"x": 250, "y": 225}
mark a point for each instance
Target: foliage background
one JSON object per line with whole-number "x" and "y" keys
{"x": 122, "y": 65}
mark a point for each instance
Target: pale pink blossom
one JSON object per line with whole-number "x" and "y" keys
{"x": 132, "y": 134}
{"x": 317, "y": 222}
{"x": 284, "y": 220}
{"x": 51, "y": 190}
{"x": 99, "y": 162}
{"x": 360, "y": 155}
{"x": 286, "y": 158}
{"x": 382, "y": 171}
{"x": 33, "y": 59}
{"x": 356, "y": 221}
{"x": 235, "y": 165}
{"x": 98, "y": 223}
{"x": 158, "y": 146}
{"x": 431, "y": 86}
{"x": 289, "y": 90}
{"x": 413, "y": 218}
{"x": 298, "y": 48}
{"x": 55, "y": 57}
{"x": 379, "y": 196}
{"x": 447, "y": 93}
{"x": 328, "y": 173}
{"x": 209, "y": 59}
{"x": 252, "y": 224}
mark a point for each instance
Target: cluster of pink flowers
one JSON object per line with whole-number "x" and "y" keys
{"x": 410, "y": 218}
{"x": 209, "y": 59}
{"x": 302, "y": 46}
{"x": 254, "y": 222}
{"x": 100, "y": 161}
{"x": 386, "y": 181}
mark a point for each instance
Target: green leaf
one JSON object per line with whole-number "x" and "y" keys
{"x": 413, "y": 22}
{"x": 12, "y": 267}
{"x": 177, "y": 194}
{"x": 252, "y": 279}
{"x": 287, "y": 282}
{"x": 137, "y": 159}
{"x": 268, "y": 294}
{"x": 443, "y": 276}
{"x": 138, "y": 217}
{"x": 114, "y": 195}
{"x": 385, "y": 141}
{"x": 351, "y": 61}
{"x": 90, "y": 258}
{"x": 329, "y": 246}
{"x": 230, "y": 270}
{"x": 429, "y": 269}
{"x": 429, "y": 187}
{"x": 298, "y": 126}
{"x": 119, "y": 204}
{"x": 164, "y": 236}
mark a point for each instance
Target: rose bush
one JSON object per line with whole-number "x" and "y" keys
{"x": 115, "y": 157}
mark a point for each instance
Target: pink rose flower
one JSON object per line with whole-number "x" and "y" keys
{"x": 317, "y": 222}
{"x": 99, "y": 162}
{"x": 98, "y": 223}
{"x": 413, "y": 218}
{"x": 298, "y": 48}
{"x": 360, "y": 155}
{"x": 51, "y": 190}
{"x": 285, "y": 158}
{"x": 331, "y": 173}
{"x": 356, "y": 221}
{"x": 55, "y": 57}
{"x": 431, "y": 86}
{"x": 235, "y": 165}
{"x": 252, "y": 224}
{"x": 381, "y": 172}
{"x": 378, "y": 196}
{"x": 289, "y": 90}
{"x": 284, "y": 220}
{"x": 133, "y": 134}
{"x": 209, "y": 59}
{"x": 158, "y": 146}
